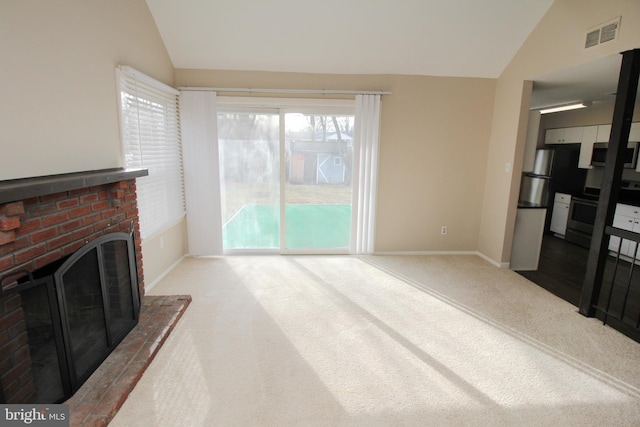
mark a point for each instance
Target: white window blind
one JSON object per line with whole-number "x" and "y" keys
{"x": 150, "y": 127}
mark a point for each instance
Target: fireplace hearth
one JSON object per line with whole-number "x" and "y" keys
{"x": 72, "y": 279}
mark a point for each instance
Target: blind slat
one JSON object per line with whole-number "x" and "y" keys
{"x": 150, "y": 127}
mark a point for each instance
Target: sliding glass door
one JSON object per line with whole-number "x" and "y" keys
{"x": 286, "y": 179}
{"x": 249, "y": 152}
{"x": 317, "y": 190}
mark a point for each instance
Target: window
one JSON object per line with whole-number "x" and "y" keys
{"x": 150, "y": 129}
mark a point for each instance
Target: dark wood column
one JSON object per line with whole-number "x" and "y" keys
{"x": 618, "y": 139}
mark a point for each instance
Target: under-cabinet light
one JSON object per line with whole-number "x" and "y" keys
{"x": 564, "y": 107}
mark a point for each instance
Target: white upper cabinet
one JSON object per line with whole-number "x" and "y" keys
{"x": 634, "y": 134}
{"x": 603, "y": 133}
{"x": 570, "y": 135}
{"x": 589, "y": 137}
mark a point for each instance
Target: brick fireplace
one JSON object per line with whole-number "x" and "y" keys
{"x": 44, "y": 220}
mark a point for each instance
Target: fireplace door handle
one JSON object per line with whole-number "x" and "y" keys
{"x": 15, "y": 276}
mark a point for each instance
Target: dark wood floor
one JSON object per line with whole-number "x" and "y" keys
{"x": 561, "y": 271}
{"x": 561, "y": 268}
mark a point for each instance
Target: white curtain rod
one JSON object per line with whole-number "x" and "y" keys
{"x": 293, "y": 91}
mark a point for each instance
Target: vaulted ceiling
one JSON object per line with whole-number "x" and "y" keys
{"x": 460, "y": 38}
{"x": 456, "y": 38}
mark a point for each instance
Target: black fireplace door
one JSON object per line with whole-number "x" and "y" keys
{"x": 98, "y": 300}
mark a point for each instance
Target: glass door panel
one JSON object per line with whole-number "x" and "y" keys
{"x": 249, "y": 149}
{"x": 317, "y": 188}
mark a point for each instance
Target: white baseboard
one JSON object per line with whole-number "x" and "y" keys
{"x": 476, "y": 253}
{"x": 163, "y": 274}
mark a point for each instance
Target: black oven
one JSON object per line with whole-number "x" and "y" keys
{"x": 582, "y": 216}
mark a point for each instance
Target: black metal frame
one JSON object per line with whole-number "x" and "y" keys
{"x": 55, "y": 321}
{"x": 612, "y": 178}
{"x": 112, "y": 341}
{"x": 55, "y": 291}
{"x": 606, "y": 310}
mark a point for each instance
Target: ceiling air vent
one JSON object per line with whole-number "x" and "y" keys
{"x": 603, "y": 33}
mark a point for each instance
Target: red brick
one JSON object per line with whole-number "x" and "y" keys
{"x": 25, "y": 395}
{"x": 46, "y": 234}
{"x": 69, "y": 226}
{"x": 13, "y": 208}
{"x": 68, "y": 203}
{"x": 101, "y": 225}
{"x": 118, "y": 218}
{"x": 93, "y": 236}
{"x": 125, "y": 206}
{"x": 80, "y": 211}
{"x": 41, "y": 209}
{"x": 132, "y": 213}
{"x": 103, "y": 195}
{"x": 7, "y": 237}
{"x": 71, "y": 248}
{"x": 48, "y": 258}
{"x": 6, "y": 263}
{"x": 29, "y": 226}
{"x": 108, "y": 212}
{"x": 59, "y": 241}
{"x": 9, "y": 223}
{"x": 19, "y": 243}
{"x": 79, "y": 191}
{"x": 111, "y": 401}
{"x": 98, "y": 206}
{"x": 30, "y": 253}
{"x": 117, "y": 194}
{"x": 80, "y": 233}
{"x": 11, "y": 303}
{"x": 89, "y": 198}
{"x": 90, "y": 219}
{"x": 54, "y": 197}
{"x": 15, "y": 342}
{"x": 55, "y": 218}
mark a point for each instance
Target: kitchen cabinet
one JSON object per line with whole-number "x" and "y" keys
{"x": 634, "y": 133}
{"x": 560, "y": 214}
{"x": 627, "y": 218}
{"x": 570, "y": 135}
{"x": 603, "y": 133}
{"x": 589, "y": 137}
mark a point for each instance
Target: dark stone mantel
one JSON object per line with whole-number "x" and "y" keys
{"x": 26, "y": 188}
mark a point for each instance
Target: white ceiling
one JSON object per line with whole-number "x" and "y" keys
{"x": 459, "y": 38}
{"x": 595, "y": 81}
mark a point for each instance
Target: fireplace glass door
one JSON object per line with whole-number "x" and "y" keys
{"x": 81, "y": 293}
{"x": 99, "y": 302}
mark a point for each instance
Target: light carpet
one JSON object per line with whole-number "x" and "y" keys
{"x": 381, "y": 340}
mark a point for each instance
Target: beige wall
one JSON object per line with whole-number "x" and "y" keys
{"x": 556, "y": 43}
{"x": 59, "y": 109}
{"x": 433, "y": 150}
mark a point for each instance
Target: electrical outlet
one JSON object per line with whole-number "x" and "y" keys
{"x": 443, "y": 230}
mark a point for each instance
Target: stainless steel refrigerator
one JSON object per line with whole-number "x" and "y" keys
{"x": 534, "y": 187}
